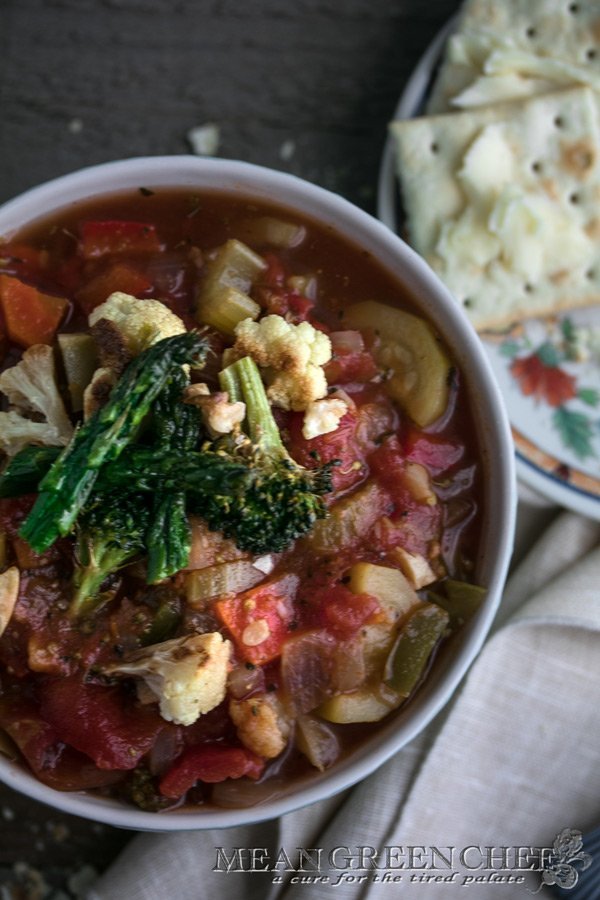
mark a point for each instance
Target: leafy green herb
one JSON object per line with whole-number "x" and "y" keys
{"x": 575, "y": 430}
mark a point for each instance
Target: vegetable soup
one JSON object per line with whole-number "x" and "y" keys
{"x": 240, "y": 498}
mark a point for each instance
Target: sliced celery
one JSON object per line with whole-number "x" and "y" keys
{"x": 223, "y": 299}
{"x": 80, "y": 360}
{"x": 202, "y": 585}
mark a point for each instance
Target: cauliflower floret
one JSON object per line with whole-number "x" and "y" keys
{"x": 220, "y": 416}
{"x": 31, "y": 388}
{"x": 135, "y": 325}
{"x": 323, "y": 416}
{"x": 98, "y": 391}
{"x": 292, "y": 357}
{"x": 186, "y": 675}
{"x": 261, "y": 725}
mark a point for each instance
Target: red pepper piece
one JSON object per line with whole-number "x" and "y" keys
{"x": 31, "y": 317}
{"x": 210, "y": 763}
{"x": 100, "y": 238}
{"x": 264, "y": 610}
{"x": 119, "y": 277}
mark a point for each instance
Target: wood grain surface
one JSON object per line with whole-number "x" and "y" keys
{"x": 306, "y": 86}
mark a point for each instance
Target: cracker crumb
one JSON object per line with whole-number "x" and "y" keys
{"x": 287, "y": 150}
{"x": 205, "y": 139}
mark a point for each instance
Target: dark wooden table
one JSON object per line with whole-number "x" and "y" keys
{"x": 306, "y": 86}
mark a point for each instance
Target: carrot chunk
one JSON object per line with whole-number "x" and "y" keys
{"x": 31, "y": 317}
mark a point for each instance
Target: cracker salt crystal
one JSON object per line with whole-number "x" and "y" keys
{"x": 503, "y": 50}
{"x": 503, "y": 201}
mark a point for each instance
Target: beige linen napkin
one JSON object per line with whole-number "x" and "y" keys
{"x": 512, "y": 762}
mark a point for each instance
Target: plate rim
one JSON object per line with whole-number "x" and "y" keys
{"x": 545, "y": 483}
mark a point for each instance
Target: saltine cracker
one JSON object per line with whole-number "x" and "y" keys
{"x": 504, "y": 203}
{"x": 516, "y": 48}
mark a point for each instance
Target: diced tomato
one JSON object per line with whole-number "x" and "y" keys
{"x": 340, "y": 445}
{"x": 100, "y": 238}
{"x": 279, "y": 302}
{"x": 387, "y": 463}
{"x": 316, "y": 323}
{"x": 31, "y": 317}
{"x": 259, "y": 620}
{"x": 350, "y": 362}
{"x": 120, "y": 276}
{"x": 414, "y": 529}
{"x": 275, "y": 274}
{"x": 352, "y": 367}
{"x": 300, "y": 306}
{"x": 273, "y": 296}
{"x": 99, "y": 722}
{"x": 431, "y": 451}
{"x": 210, "y": 763}
{"x": 56, "y": 765}
{"x": 344, "y": 612}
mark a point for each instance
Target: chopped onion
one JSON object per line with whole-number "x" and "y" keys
{"x": 348, "y": 670}
{"x": 343, "y": 342}
{"x": 273, "y": 231}
{"x": 165, "y": 750}
{"x": 317, "y": 741}
{"x": 265, "y": 564}
{"x": 306, "y": 285}
{"x": 240, "y": 793}
{"x": 306, "y": 664}
{"x": 210, "y": 547}
{"x": 242, "y": 681}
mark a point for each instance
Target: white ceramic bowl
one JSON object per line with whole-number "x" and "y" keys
{"x": 246, "y": 180}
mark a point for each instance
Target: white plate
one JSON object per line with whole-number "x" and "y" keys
{"x": 556, "y": 429}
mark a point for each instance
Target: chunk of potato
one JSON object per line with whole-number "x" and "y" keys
{"x": 391, "y": 588}
{"x": 365, "y": 704}
{"x": 410, "y": 349}
{"x": 397, "y": 599}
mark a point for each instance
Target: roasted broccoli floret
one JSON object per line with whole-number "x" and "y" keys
{"x": 275, "y": 500}
{"x": 175, "y": 430}
{"x": 67, "y": 486}
{"x": 111, "y": 532}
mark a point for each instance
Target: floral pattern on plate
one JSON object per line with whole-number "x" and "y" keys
{"x": 549, "y": 374}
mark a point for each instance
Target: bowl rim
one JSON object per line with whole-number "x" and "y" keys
{"x": 287, "y": 190}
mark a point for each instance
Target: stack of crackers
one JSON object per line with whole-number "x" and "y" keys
{"x": 501, "y": 179}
